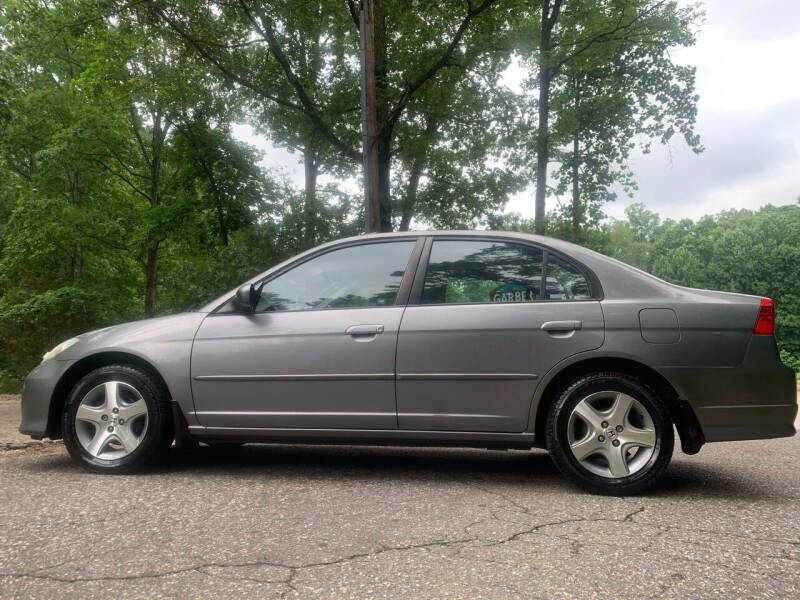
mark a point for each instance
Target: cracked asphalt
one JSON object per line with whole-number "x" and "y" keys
{"x": 360, "y": 522}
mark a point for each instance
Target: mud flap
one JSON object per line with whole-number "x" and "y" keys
{"x": 183, "y": 439}
{"x": 692, "y": 438}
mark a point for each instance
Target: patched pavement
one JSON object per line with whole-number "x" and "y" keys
{"x": 359, "y": 522}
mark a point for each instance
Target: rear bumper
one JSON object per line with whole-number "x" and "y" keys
{"x": 37, "y": 393}
{"x": 754, "y": 400}
{"x": 755, "y": 422}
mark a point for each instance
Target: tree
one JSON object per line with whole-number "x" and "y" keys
{"x": 92, "y": 128}
{"x": 452, "y": 167}
{"x": 605, "y": 68}
{"x": 172, "y": 142}
{"x": 56, "y": 276}
{"x": 406, "y": 63}
{"x": 632, "y": 240}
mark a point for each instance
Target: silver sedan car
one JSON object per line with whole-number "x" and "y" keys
{"x": 484, "y": 339}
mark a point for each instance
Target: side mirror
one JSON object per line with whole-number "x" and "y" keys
{"x": 246, "y": 298}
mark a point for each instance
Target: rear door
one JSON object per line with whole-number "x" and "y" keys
{"x": 482, "y": 327}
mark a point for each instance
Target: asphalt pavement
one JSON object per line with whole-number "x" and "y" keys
{"x": 359, "y": 522}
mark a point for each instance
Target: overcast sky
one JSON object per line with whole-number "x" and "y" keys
{"x": 748, "y": 79}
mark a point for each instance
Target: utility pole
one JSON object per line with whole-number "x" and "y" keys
{"x": 369, "y": 118}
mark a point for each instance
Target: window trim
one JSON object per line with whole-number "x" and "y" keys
{"x": 415, "y": 298}
{"x": 403, "y": 291}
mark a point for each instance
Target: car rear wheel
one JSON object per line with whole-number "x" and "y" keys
{"x": 610, "y": 433}
{"x": 117, "y": 419}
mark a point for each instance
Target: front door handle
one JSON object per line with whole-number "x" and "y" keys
{"x": 561, "y": 325}
{"x": 358, "y": 330}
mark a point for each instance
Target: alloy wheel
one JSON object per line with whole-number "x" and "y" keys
{"x": 611, "y": 434}
{"x": 111, "y": 420}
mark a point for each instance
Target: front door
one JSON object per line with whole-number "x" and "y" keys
{"x": 487, "y": 326}
{"x": 318, "y": 352}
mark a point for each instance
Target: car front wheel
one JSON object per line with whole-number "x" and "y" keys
{"x": 117, "y": 419}
{"x": 610, "y": 433}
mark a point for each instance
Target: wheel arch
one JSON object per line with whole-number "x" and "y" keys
{"x": 84, "y": 366}
{"x": 680, "y": 410}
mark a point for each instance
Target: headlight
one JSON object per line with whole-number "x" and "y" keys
{"x": 59, "y": 349}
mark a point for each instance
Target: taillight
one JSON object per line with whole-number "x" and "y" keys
{"x": 765, "y": 324}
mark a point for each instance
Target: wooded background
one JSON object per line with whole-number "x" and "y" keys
{"x": 124, "y": 193}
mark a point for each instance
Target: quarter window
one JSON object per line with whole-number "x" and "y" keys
{"x": 482, "y": 272}
{"x": 356, "y": 276}
{"x": 564, "y": 281}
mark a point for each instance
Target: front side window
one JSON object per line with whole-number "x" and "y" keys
{"x": 482, "y": 272}
{"x": 564, "y": 281}
{"x": 356, "y": 276}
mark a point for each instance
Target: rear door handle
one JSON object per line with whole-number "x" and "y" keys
{"x": 561, "y": 325}
{"x": 357, "y": 330}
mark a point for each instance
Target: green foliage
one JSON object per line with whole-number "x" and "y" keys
{"x": 604, "y": 77}
{"x": 738, "y": 251}
{"x": 110, "y": 143}
{"x": 439, "y": 69}
{"x": 123, "y": 192}
{"x": 596, "y": 238}
{"x": 469, "y": 290}
{"x": 632, "y": 240}
{"x": 791, "y": 360}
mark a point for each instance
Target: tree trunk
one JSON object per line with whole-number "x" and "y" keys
{"x": 77, "y": 256}
{"x": 218, "y": 202}
{"x": 208, "y": 169}
{"x": 417, "y": 167}
{"x": 369, "y": 116}
{"x": 542, "y": 152}
{"x": 549, "y": 16}
{"x": 410, "y": 200}
{"x": 151, "y": 278}
{"x": 78, "y": 261}
{"x": 576, "y": 196}
{"x": 223, "y": 226}
{"x": 155, "y": 168}
{"x": 310, "y": 152}
{"x": 310, "y": 208}
{"x": 382, "y": 111}
{"x": 542, "y": 131}
{"x": 151, "y": 263}
{"x": 385, "y": 181}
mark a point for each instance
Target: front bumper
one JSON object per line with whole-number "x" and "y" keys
{"x": 37, "y": 395}
{"x": 754, "y": 400}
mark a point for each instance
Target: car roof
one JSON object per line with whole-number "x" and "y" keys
{"x": 554, "y": 243}
{"x": 541, "y": 239}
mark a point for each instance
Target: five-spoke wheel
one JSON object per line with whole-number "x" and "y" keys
{"x": 116, "y": 419}
{"x": 610, "y": 433}
{"x": 111, "y": 420}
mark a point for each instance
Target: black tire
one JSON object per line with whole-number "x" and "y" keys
{"x": 566, "y": 462}
{"x": 156, "y": 438}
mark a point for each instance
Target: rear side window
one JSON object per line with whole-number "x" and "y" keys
{"x": 352, "y": 277}
{"x": 482, "y": 272}
{"x": 564, "y": 281}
